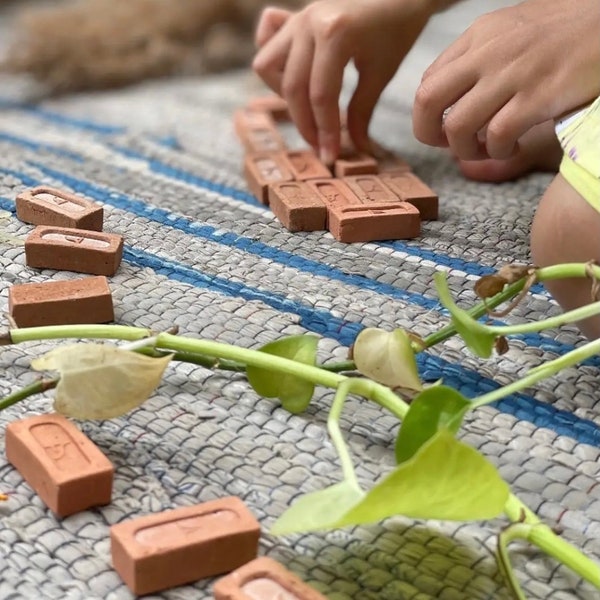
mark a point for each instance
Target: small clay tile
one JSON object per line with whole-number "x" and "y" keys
{"x": 175, "y": 547}
{"x": 354, "y": 163}
{"x": 263, "y": 169}
{"x": 297, "y": 206}
{"x": 78, "y": 250}
{"x": 370, "y": 188}
{"x": 257, "y": 131}
{"x": 409, "y": 188}
{"x": 305, "y": 164}
{"x": 351, "y": 218}
{"x": 371, "y": 222}
{"x": 77, "y": 301}
{"x": 50, "y": 206}
{"x": 65, "y": 468}
{"x": 350, "y": 160}
{"x": 273, "y": 104}
{"x": 264, "y": 579}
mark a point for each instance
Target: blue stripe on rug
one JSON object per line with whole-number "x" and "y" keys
{"x": 468, "y": 382}
{"x": 161, "y": 168}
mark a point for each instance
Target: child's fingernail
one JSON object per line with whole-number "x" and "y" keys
{"x": 326, "y": 156}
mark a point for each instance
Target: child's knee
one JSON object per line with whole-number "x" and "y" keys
{"x": 566, "y": 228}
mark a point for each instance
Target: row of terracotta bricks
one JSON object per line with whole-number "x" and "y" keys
{"x": 155, "y": 552}
{"x": 360, "y": 198}
{"x": 68, "y": 236}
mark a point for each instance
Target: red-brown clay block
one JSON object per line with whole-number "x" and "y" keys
{"x": 77, "y": 301}
{"x": 272, "y": 104}
{"x": 264, "y": 579}
{"x": 350, "y": 160}
{"x": 257, "y": 131}
{"x": 65, "y": 468}
{"x": 179, "y": 546}
{"x": 354, "y": 219}
{"x": 297, "y": 206}
{"x": 49, "y": 206}
{"x": 263, "y": 169}
{"x": 354, "y": 163}
{"x": 409, "y": 188}
{"x": 370, "y": 188}
{"x": 305, "y": 165}
{"x": 74, "y": 250}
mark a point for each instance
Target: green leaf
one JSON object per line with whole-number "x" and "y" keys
{"x": 446, "y": 479}
{"x": 387, "y": 357}
{"x": 433, "y": 409}
{"x": 476, "y": 335}
{"x": 99, "y": 381}
{"x": 295, "y": 393}
{"x": 319, "y": 510}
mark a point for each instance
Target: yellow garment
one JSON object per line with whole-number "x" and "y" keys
{"x": 579, "y": 136}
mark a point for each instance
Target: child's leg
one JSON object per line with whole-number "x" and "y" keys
{"x": 566, "y": 228}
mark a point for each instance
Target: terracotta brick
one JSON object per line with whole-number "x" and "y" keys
{"x": 264, "y": 579}
{"x": 354, "y": 163}
{"x": 409, "y": 188}
{"x": 305, "y": 165}
{"x": 263, "y": 169}
{"x": 78, "y": 250}
{"x": 76, "y": 301}
{"x": 272, "y": 104}
{"x": 370, "y": 188}
{"x": 65, "y": 468}
{"x": 350, "y": 160}
{"x": 354, "y": 219}
{"x": 168, "y": 549}
{"x": 257, "y": 131}
{"x": 297, "y": 206}
{"x": 50, "y": 206}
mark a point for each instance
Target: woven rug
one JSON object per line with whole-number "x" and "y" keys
{"x": 202, "y": 254}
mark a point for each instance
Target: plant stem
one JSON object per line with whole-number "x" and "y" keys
{"x": 477, "y": 311}
{"x": 545, "y": 539}
{"x": 335, "y": 433}
{"x": 51, "y": 332}
{"x": 377, "y": 392}
{"x": 37, "y": 387}
{"x": 579, "y": 314}
{"x": 541, "y": 372}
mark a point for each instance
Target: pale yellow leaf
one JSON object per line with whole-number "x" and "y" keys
{"x": 100, "y": 381}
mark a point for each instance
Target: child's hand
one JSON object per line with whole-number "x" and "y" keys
{"x": 302, "y": 56}
{"x": 512, "y": 69}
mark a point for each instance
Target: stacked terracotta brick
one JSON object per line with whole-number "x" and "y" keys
{"x": 68, "y": 236}
{"x": 360, "y": 198}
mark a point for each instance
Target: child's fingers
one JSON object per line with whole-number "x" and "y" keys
{"x": 269, "y": 62}
{"x": 325, "y": 87}
{"x": 453, "y": 52}
{"x": 361, "y": 107}
{"x": 433, "y": 99}
{"x": 510, "y": 123}
{"x": 470, "y": 114}
{"x": 295, "y": 87}
{"x": 270, "y": 22}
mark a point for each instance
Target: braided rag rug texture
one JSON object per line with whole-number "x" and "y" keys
{"x": 203, "y": 254}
